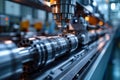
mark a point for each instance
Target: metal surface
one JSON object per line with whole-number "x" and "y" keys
{"x": 11, "y": 61}
{"x": 78, "y": 65}
{"x": 70, "y": 68}
{"x": 99, "y": 66}
{"x": 63, "y": 10}
{"x": 38, "y": 54}
{"x": 41, "y": 52}
{"x": 78, "y": 48}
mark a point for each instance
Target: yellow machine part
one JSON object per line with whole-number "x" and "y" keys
{"x": 25, "y": 25}
{"x": 38, "y": 26}
{"x": 101, "y": 23}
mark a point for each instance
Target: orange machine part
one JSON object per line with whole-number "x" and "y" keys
{"x": 25, "y": 25}
{"x": 38, "y": 26}
{"x": 54, "y": 1}
{"x": 92, "y": 20}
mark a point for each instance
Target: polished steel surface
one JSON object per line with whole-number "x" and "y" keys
{"x": 63, "y": 11}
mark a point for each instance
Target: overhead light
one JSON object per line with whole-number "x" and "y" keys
{"x": 113, "y": 6}
{"x": 94, "y": 3}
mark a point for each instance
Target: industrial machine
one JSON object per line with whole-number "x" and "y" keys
{"x": 70, "y": 55}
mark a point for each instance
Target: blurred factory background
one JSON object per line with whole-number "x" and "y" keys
{"x": 26, "y": 19}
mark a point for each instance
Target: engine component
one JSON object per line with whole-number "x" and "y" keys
{"x": 12, "y": 60}
{"x": 39, "y": 54}
{"x": 53, "y": 47}
{"x": 63, "y": 10}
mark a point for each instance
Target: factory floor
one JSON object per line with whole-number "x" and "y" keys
{"x": 113, "y": 69}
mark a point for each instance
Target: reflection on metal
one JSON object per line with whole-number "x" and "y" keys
{"x": 98, "y": 68}
{"x": 8, "y": 42}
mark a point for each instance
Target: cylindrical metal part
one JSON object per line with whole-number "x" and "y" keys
{"x": 63, "y": 10}
{"x": 51, "y": 48}
{"x": 38, "y": 54}
{"x": 29, "y": 41}
{"x": 7, "y": 45}
{"x": 73, "y": 41}
{"x": 12, "y": 61}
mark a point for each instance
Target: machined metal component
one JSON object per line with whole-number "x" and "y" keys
{"x": 63, "y": 10}
{"x": 7, "y": 44}
{"x": 12, "y": 61}
{"x": 40, "y": 53}
{"x": 29, "y": 41}
{"x": 73, "y": 41}
{"x": 51, "y": 48}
